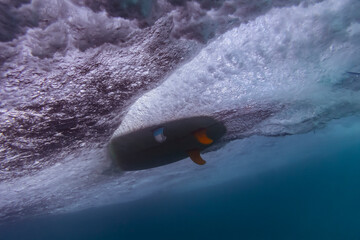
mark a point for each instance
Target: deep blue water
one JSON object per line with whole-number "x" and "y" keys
{"x": 317, "y": 198}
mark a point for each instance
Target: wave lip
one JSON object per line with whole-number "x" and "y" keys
{"x": 286, "y": 72}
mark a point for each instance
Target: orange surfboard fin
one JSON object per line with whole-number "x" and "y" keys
{"x": 195, "y": 157}
{"x": 201, "y": 136}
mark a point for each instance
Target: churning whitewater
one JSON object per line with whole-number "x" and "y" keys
{"x": 73, "y": 72}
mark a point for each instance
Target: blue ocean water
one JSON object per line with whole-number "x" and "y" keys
{"x": 315, "y": 195}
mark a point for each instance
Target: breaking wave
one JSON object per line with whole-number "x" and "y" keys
{"x": 73, "y": 71}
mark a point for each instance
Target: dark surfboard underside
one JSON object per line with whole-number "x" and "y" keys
{"x": 139, "y": 149}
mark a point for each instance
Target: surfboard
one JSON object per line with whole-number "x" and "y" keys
{"x": 165, "y": 143}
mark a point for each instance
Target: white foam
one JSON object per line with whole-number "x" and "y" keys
{"x": 291, "y": 56}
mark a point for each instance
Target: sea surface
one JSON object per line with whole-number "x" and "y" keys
{"x": 282, "y": 76}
